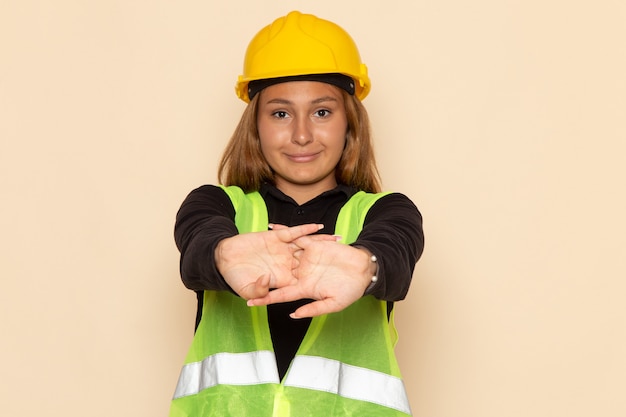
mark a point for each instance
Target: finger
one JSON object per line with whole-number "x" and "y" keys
{"x": 295, "y": 260}
{"x": 281, "y": 279}
{"x": 279, "y": 295}
{"x": 256, "y": 289}
{"x": 305, "y": 242}
{"x": 316, "y": 308}
{"x": 292, "y": 233}
{"x": 321, "y": 238}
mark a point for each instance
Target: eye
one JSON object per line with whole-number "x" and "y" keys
{"x": 322, "y": 113}
{"x": 280, "y": 114}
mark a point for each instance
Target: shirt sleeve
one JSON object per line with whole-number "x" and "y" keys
{"x": 393, "y": 232}
{"x": 205, "y": 218}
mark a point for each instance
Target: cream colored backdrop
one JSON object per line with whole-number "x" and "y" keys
{"x": 503, "y": 120}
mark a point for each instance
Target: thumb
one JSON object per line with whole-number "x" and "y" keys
{"x": 256, "y": 289}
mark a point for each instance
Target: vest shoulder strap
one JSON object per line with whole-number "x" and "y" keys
{"x": 250, "y": 209}
{"x": 352, "y": 215}
{"x": 251, "y": 212}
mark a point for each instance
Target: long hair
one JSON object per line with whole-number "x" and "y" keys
{"x": 244, "y": 165}
{"x": 357, "y": 166}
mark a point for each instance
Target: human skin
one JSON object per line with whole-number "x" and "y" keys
{"x": 302, "y": 129}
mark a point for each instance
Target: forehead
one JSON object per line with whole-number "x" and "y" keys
{"x": 301, "y": 91}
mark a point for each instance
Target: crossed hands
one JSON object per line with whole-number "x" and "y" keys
{"x": 291, "y": 263}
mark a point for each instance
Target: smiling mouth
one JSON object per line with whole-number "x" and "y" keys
{"x": 308, "y": 157}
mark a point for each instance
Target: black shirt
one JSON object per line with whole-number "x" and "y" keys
{"x": 392, "y": 231}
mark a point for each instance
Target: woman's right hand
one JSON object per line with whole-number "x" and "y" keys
{"x": 253, "y": 263}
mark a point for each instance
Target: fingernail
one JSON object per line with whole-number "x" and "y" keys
{"x": 320, "y": 226}
{"x": 338, "y": 238}
{"x": 270, "y": 226}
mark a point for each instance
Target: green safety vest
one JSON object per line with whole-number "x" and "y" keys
{"x": 345, "y": 365}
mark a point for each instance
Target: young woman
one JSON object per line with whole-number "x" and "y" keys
{"x": 297, "y": 257}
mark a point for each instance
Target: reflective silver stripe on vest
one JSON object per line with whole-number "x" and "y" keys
{"x": 227, "y": 369}
{"x": 348, "y": 381}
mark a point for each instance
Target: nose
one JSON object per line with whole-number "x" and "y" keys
{"x": 302, "y": 133}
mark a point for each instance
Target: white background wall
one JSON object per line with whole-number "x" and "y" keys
{"x": 503, "y": 120}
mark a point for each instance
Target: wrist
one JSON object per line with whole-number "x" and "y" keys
{"x": 372, "y": 269}
{"x": 220, "y": 254}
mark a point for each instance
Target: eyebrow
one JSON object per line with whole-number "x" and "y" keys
{"x": 316, "y": 101}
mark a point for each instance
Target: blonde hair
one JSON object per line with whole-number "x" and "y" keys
{"x": 244, "y": 165}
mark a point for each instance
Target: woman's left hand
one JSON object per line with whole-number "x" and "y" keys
{"x": 333, "y": 274}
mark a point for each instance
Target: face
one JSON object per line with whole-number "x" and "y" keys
{"x": 302, "y": 128}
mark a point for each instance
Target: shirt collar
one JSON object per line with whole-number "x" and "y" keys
{"x": 270, "y": 189}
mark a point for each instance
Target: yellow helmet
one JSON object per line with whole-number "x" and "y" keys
{"x": 302, "y": 44}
